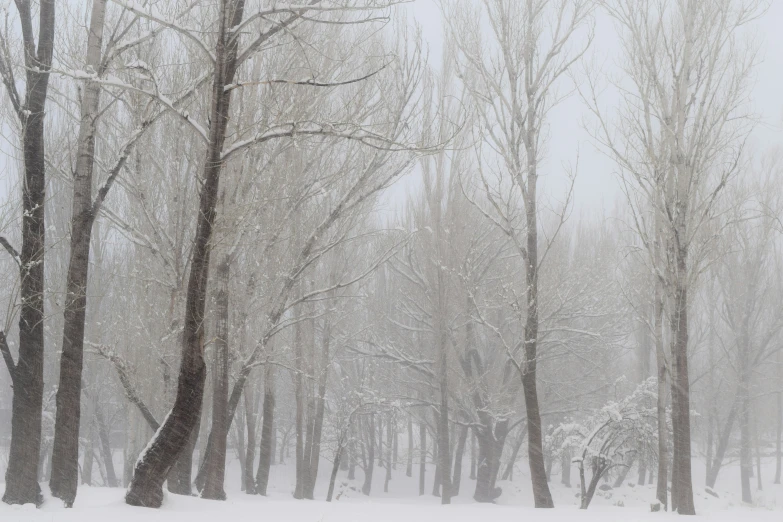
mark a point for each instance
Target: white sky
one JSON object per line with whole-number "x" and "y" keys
{"x": 597, "y": 187}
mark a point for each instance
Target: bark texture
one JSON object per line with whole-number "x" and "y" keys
{"x": 27, "y": 374}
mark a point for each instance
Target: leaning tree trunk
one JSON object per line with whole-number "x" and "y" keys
{"x": 65, "y": 451}
{"x": 266, "y": 452}
{"x": 157, "y": 459}
{"x": 21, "y": 476}
{"x": 216, "y": 459}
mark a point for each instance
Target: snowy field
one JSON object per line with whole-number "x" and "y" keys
{"x": 402, "y": 503}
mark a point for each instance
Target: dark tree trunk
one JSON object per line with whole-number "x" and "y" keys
{"x": 541, "y": 494}
{"x": 65, "y": 452}
{"x": 422, "y": 456}
{"x": 216, "y": 459}
{"x": 108, "y": 457}
{"x": 21, "y": 476}
{"x": 267, "y": 432}
{"x": 155, "y": 463}
{"x": 179, "y": 478}
{"x": 459, "y": 454}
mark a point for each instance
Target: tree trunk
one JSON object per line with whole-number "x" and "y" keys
{"x": 389, "y": 437}
{"x": 216, "y": 459}
{"x": 409, "y": 467}
{"x": 682, "y": 483}
{"x": 335, "y": 469}
{"x": 315, "y": 452}
{"x": 267, "y": 431}
{"x": 541, "y": 494}
{"x": 299, "y": 396}
{"x": 565, "y": 467}
{"x": 778, "y": 433}
{"x": 661, "y": 490}
{"x": 746, "y": 460}
{"x": 155, "y": 463}
{"x": 106, "y": 452}
{"x": 422, "y": 456}
{"x": 368, "y": 470}
{"x": 250, "y": 455}
{"x": 444, "y": 454}
{"x": 65, "y": 452}
{"x": 21, "y": 476}
{"x": 459, "y": 454}
{"x": 179, "y": 478}
{"x": 473, "y": 454}
{"x": 723, "y": 444}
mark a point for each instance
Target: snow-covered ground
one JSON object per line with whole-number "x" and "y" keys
{"x": 402, "y": 503}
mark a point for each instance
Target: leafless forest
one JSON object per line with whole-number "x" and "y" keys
{"x": 201, "y": 262}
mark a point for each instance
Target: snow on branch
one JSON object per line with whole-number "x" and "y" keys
{"x": 138, "y": 10}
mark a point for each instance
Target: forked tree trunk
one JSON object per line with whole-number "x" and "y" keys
{"x": 216, "y": 459}
{"x": 266, "y": 454}
{"x": 146, "y": 488}
{"x": 21, "y": 478}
